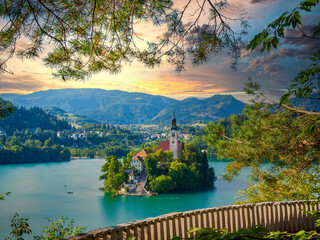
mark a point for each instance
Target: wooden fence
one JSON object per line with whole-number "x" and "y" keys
{"x": 276, "y": 216}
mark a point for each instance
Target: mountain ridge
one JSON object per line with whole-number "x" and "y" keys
{"x": 192, "y": 110}
{"x": 120, "y": 107}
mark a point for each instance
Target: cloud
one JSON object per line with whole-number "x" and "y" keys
{"x": 260, "y": 1}
{"x": 273, "y": 69}
{"x": 226, "y": 64}
{"x": 22, "y": 84}
{"x": 260, "y": 61}
{"x": 236, "y": 10}
{"x": 291, "y": 47}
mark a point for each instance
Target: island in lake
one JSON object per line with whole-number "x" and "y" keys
{"x": 171, "y": 166}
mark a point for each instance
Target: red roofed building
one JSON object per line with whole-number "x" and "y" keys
{"x": 137, "y": 162}
{"x": 143, "y": 153}
{"x": 131, "y": 175}
{"x": 165, "y": 146}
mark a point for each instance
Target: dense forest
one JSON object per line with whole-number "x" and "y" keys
{"x": 105, "y": 140}
{"x": 31, "y": 136}
{"x": 32, "y": 118}
{"x": 32, "y": 151}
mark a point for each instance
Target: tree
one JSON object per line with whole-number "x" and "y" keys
{"x": 20, "y": 227}
{"x": 48, "y": 142}
{"x": 162, "y": 156}
{"x": 58, "y": 228}
{"x": 183, "y": 177}
{"x": 6, "y": 108}
{"x": 162, "y": 184}
{"x": 113, "y": 173}
{"x": 151, "y": 163}
{"x": 93, "y": 36}
{"x": 285, "y": 136}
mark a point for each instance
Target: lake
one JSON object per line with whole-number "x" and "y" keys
{"x": 38, "y": 192}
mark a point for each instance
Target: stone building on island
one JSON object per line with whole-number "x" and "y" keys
{"x": 137, "y": 163}
{"x": 137, "y": 160}
{"x": 173, "y": 144}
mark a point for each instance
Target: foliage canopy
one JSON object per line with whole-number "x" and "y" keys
{"x": 275, "y": 132}
{"x": 101, "y": 35}
{"x": 189, "y": 172}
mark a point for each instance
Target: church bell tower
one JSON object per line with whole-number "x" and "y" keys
{"x": 173, "y": 138}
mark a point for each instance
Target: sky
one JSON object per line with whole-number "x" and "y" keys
{"x": 274, "y": 70}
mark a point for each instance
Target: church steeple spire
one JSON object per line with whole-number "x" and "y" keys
{"x": 173, "y": 137}
{"x": 173, "y": 121}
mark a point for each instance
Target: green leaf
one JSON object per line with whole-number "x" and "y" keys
{"x": 193, "y": 230}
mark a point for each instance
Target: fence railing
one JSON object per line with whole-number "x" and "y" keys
{"x": 276, "y": 216}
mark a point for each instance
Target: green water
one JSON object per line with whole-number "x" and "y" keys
{"x": 38, "y": 191}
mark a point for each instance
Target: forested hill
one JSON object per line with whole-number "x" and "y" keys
{"x": 117, "y": 107}
{"x": 34, "y": 117}
{"x": 195, "y": 110}
{"x": 76, "y": 120}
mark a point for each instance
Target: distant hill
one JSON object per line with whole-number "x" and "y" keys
{"x": 117, "y": 107}
{"x": 193, "y": 110}
{"x": 34, "y": 117}
{"x": 76, "y": 120}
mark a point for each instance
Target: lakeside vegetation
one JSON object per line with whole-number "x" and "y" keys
{"x": 28, "y": 134}
{"x": 34, "y": 136}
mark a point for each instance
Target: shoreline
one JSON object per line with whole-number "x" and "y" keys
{"x": 75, "y": 158}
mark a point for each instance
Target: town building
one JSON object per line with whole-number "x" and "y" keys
{"x": 63, "y": 134}
{"x": 137, "y": 163}
{"x": 143, "y": 153}
{"x": 131, "y": 175}
{"x": 173, "y": 143}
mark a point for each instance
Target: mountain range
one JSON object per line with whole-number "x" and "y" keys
{"x": 193, "y": 110}
{"x": 120, "y": 107}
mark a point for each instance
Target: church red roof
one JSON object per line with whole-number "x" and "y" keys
{"x": 165, "y": 146}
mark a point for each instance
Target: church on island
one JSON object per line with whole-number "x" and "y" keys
{"x": 173, "y": 144}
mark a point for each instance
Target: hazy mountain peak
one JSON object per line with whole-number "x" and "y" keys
{"x": 120, "y": 107}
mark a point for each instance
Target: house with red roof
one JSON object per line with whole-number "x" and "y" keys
{"x": 137, "y": 160}
{"x": 143, "y": 153}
